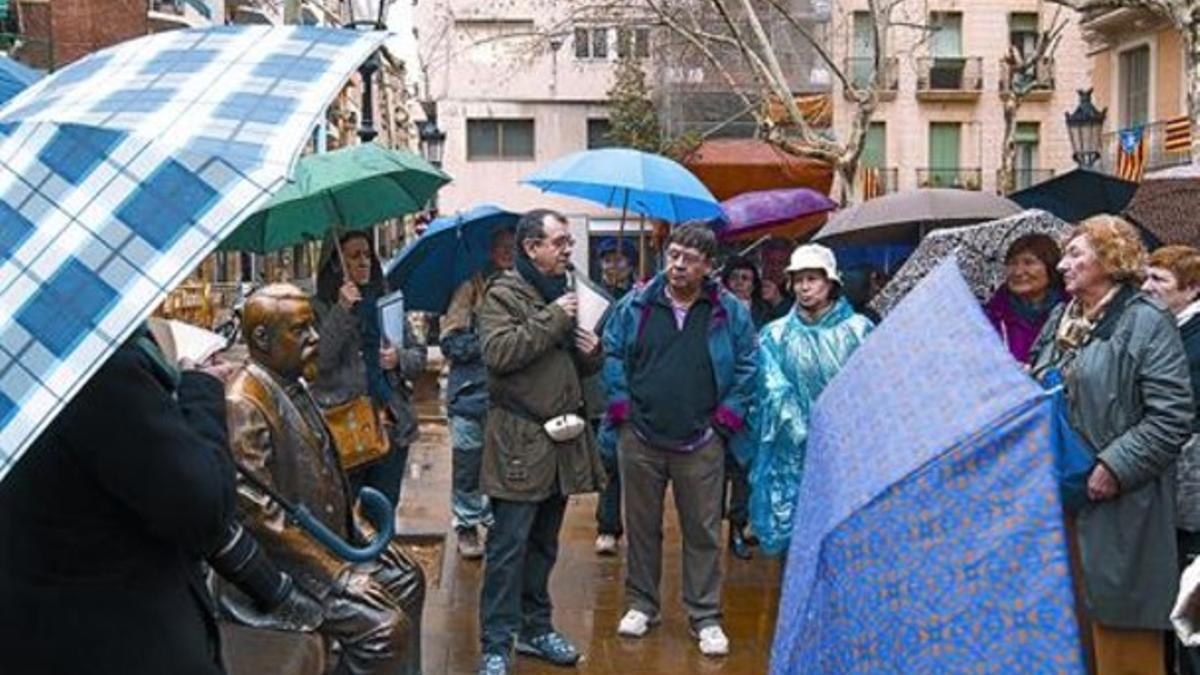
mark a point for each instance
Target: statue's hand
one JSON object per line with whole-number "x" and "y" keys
{"x": 301, "y": 610}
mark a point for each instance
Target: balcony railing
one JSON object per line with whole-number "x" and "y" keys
{"x": 950, "y": 177}
{"x": 949, "y": 78}
{"x": 878, "y": 181}
{"x": 1036, "y": 80}
{"x": 861, "y": 72}
{"x": 1023, "y": 178}
{"x": 1154, "y": 135}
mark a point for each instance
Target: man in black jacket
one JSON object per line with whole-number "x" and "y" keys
{"x": 105, "y": 520}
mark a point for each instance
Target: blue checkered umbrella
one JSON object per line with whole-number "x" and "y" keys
{"x": 119, "y": 173}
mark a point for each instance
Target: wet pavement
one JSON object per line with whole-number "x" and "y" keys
{"x": 586, "y": 588}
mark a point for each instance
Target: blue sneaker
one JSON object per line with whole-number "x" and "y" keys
{"x": 493, "y": 664}
{"x": 552, "y": 647}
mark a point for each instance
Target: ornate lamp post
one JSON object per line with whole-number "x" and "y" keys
{"x": 1084, "y": 125}
{"x": 365, "y": 8}
{"x": 432, "y": 140}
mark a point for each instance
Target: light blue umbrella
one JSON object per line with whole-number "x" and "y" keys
{"x": 15, "y": 77}
{"x": 451, "y": 250}
{"x": 121, "y": 172}
{"x": 625, "y": 179}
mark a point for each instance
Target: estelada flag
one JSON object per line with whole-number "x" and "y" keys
{"x": 1178, "y": 137}
{"x": 1131, "y": 154}
{"x": 871, "y": 185}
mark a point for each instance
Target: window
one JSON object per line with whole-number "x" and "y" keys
{"x": 499, "y": 139}
{"x": 591, "y": 42}
{"x": 1135, "y": 86}
{"x": 947, "y": 37}
{"x": 633, "y": 41}
{"x": 1023, "y": 31}
{"x": 948, "y": 68}
{"x": 874, "y": 153}
{"x": 1026, "y": 139}
{"x": 598, "y": 131}
{"x": 944, "y": 143}
{"x": 862, "y": 50}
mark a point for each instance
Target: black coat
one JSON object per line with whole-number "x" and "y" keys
{"x": 103, "y": 523}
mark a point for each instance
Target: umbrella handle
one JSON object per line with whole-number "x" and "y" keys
{"x": 378, "y": 511}
{"x": 337, "y": 247}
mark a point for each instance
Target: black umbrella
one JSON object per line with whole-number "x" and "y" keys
{"x": 1077, "y": 194}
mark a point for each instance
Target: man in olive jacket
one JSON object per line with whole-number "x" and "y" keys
{"x": 535, "y": 357}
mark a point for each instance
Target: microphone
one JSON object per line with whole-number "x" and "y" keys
{"x": 570, "y": 277}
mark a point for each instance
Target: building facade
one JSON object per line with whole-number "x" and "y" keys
{"x": 1139, "y": 75}
{"x": 940, "y": 121}
{"x": 518, "y": 85}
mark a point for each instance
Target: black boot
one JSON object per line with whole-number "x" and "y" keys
{"x": 738, "y": 544}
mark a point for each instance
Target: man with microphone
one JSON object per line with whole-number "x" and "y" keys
{"x": 537, "y": 446}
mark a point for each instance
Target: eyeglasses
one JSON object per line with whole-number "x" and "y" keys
{"x": 686, "y": 257}
{"x": 560, "y": 242}
{"x": 741, "y": 276}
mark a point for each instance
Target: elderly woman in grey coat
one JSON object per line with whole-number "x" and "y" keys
{"x": 1130, "y": 397}
{"x": 353, "y": 359}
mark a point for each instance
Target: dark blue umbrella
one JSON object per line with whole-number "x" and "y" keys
{"x": 620, "y": 178}
{"x": 1077, "y": 194}
{"x": 445, "y": 255}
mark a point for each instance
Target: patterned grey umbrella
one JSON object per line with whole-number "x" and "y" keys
{"x": 980, "y": 252}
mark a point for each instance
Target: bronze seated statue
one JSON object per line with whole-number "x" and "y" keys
{"x": 371, "y": 611}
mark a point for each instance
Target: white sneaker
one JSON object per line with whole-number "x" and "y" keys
{"x": 713, "y": 641}
{"x": 635, "y": 624}
{"x": 606, "y": 544}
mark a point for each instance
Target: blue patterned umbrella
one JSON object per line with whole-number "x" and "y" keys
{"x": 15, "y": 77}
{"x": 119, "y": 173}
{"x": 929, "y": 534}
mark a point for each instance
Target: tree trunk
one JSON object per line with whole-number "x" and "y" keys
{"x": 1007, "y": 180}
{"x": 847, "y": 175}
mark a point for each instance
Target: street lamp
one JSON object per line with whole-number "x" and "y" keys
{"x": 365, "y": 8}
{"x": 432, "y": 139}
{"x": 1084, "y": 125}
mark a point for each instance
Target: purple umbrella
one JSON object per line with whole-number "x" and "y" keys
{"x": 754, "y": 211}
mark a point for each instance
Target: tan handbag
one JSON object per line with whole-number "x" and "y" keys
{"x": 358, "y": 435}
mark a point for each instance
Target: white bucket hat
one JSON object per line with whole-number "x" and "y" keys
{"x": 815, "y": 257}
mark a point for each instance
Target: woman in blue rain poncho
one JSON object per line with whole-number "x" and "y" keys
{"x": 799, "y": 354}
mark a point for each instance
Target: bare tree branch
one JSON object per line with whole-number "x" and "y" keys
{"x": 816, "y": 44}
{"x": 692, "y": 39}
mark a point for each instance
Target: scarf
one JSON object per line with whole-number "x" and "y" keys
{"x": 550, "y": 288}
{"x": 1075, "y": 327}
{"x": 1034, "y": 312}
{"x": 372, "y": 337}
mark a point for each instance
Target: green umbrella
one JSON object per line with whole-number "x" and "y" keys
{"x": 349, "y": 189}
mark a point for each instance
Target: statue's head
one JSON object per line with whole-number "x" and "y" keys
{"x": 277, "y": 322}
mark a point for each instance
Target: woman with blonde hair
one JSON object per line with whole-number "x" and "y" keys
{"x": 1130, "y": 398}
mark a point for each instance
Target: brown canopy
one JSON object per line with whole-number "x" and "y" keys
{"x": 1169, "y": 209}
{"x": 729, "y": 167}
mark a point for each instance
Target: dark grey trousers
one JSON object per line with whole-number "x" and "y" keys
{"x": 522, "y": 546}
{"x": 697, "y": 480}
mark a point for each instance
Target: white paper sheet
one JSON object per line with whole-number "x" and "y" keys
{"x": 391, "y": 317}
{"x": 593, "y": 302}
